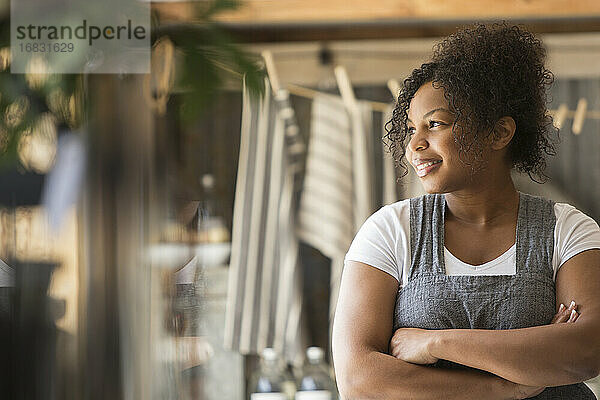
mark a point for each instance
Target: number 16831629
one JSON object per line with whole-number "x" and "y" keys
{"x": 58, "y": 47}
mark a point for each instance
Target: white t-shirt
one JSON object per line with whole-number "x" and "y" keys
{"x": 383, "y": 242}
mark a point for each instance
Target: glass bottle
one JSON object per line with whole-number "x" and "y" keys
{"x": 271, "y": 381}
{"x": 316, "y": 382}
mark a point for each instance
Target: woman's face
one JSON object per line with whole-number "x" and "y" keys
{"x": 432, "y": 151}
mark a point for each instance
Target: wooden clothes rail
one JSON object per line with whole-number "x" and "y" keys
{"x": 311, "y": 93}
{"x": 380, "y": 106}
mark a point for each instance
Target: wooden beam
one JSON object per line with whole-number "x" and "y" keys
{"x": 260, "y": 12}
{"x": 303, "y": 11}
{"x": 262, "y": 21}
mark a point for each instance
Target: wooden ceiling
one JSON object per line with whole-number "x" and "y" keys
{"x": 302, "y": 20}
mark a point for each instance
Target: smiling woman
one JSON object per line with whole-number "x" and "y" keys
{"x": 461, "y": 293}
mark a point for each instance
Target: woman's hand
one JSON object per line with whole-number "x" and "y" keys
{"x": 565, "y": 314}
{"x": 412, "y": 345}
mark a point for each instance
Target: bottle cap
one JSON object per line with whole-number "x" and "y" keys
{"x": 269, "y": 354}
{"x": 314, "y": 354}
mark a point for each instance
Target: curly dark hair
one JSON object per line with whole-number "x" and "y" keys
{"x": 488, "y": 71}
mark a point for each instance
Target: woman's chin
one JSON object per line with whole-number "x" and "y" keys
{"x": 434, "y": 187}
{"x": 435, "y": 191}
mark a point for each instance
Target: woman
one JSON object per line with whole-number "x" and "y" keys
{"x": 461, "y": 293}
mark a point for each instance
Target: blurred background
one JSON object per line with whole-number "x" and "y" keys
{"x": 159, "y": 232}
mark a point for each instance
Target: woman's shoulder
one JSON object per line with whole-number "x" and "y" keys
{"x": 405, "y": 203}
{"x": 574, "y": 232}
{"x": 396, "y": 206}
{"x": 571, "y": 215}
{"x": 401, "y": 209}
{"x": 561, "y": 209}
{"x": 392, "y": 216}
{"x": 564, "y": 212}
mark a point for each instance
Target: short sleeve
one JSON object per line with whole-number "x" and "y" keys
{"x": 378, "y": 240}
{"x": 574, "y": 232}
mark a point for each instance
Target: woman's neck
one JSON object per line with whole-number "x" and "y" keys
{"x": 490, "y": 203}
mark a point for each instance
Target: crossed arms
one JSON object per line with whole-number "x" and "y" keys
{"x": 511, "y": 364}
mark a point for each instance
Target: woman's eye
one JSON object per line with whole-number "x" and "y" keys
{"x": 433, "y": 124}
{"x": 411, "y": 131}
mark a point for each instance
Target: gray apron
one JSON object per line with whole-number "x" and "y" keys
{"x": 432, "y": 300}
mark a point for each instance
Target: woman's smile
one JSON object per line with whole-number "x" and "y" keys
{"x": 424, "y": 167}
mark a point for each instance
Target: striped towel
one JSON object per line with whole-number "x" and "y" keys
{"x": 338, "y": 193}
{"x": 264, "y": 293}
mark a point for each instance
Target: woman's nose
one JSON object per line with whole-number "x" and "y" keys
{"x": 417, "y": 143}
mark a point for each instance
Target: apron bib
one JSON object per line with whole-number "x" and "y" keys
{"x": 433, "y": 300}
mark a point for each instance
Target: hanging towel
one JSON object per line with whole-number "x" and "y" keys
{"x": 264, "y": 293}
{"x": 337, "y": 196}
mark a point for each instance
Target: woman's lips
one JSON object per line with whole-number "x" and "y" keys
{"x": 426, "y": 167}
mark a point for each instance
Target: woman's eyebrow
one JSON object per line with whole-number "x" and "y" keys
{"x": 431, "y": 112}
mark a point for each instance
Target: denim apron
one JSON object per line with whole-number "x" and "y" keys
{"x": 432, "y": 300}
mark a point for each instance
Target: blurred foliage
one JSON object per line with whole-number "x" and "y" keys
{"x": 25, "y": 98}
{"x": 207, "y": 58}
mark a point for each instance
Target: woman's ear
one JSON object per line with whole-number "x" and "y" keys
{"x": 504, "y": 130}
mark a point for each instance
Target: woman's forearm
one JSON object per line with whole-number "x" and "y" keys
{"x": 374, "y": 375}
{"x": 548, "y": 355}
